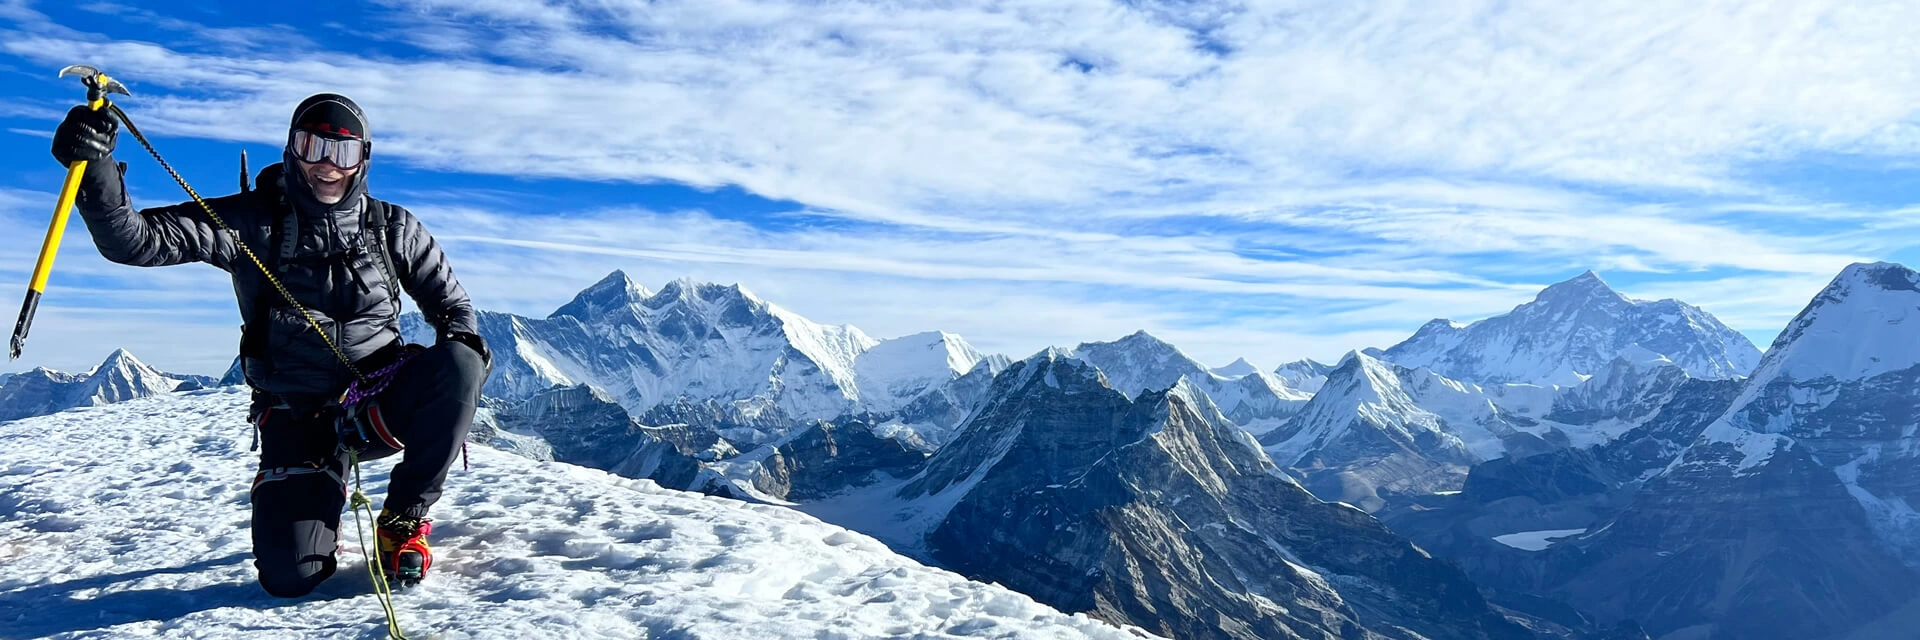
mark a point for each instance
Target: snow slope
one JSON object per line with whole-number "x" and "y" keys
{"x": 895, "y": 372}
{"x": 131, "y": 521}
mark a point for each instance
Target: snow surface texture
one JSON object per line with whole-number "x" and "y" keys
{"x": 1572, "y": 330}
{"x": 131, "y": 521}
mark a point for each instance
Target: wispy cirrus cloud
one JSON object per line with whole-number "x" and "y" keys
{"x": 1321, "y": 170}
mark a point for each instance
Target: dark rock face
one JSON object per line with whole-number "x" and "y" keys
{"x": 1789, "y": 516}
{"x": 1783, "y": 552}
{"x": 1569, "y": 489}
{"x": 744, "y": 424}
{"x": 826, "y": 458}
{"x": 1159, "y": 513}
{"x": 1636, "y": 455}
{"x": 586, "y": 428}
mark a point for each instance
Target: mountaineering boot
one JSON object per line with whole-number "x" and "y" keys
{"x": 402, "y": 545}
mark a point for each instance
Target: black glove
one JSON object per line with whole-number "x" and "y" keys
{"x": 85, "y": 135}
{"x": 471, "y": 340}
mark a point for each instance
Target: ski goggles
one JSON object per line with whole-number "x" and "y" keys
{"x": 345, "y": 153}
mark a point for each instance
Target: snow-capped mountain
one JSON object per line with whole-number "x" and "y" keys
{"x": 1238, "y": 369}
{"x": 1157, "y": 511}
{"x": 1623, "y": 393}
{"x": 109, "y": 539}
{"x": 1141, "y": 362}
{"x": 935, "y": 416}
{"x": 1377, "y": 429}
{"x": 895, "y": 372}
{"x": 1572, "y": 330}
{"x": 1790, "y": 515}
{"x": 1305, "y": 375}
{"x": 693, "y": 344}
{"x": 119, "y": 378}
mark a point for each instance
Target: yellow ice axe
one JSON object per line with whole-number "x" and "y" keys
{"x": 98, "y": 86}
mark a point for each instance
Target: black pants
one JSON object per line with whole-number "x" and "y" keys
{"x": 302, "y": 486}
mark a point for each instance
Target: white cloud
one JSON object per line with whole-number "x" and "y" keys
{"x": 1251, "y": 178}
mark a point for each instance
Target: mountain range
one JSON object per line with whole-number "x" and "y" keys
{"x": 1570, "y": 464}
{"x": 119, "y": 378}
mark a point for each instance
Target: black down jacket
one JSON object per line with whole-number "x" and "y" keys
{"x": 331, "y": 270}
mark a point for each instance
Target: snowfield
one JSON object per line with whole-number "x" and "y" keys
{"x": 131, "y": 520}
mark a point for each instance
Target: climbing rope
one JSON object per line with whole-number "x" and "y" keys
{"x": 358, "y": 503}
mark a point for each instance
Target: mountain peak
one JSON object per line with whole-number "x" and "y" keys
{"x": 1306, "y": 375}
{"x": 1055, "y": 364}
{"x": 1239, "y": 369}
{"x": 615, "y": 291}
{"x": 1571, "y": 330}
{"x": 1142, "y": 339}
{"x": 120, "y": 360}
{"x": 1139, "y": 362}
{"x": 1857, "y": 327}
{"x": 1580, "y": 288}
{"x": 1886, "y": 276}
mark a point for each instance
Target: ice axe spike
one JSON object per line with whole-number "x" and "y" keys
{"x": 99, "y": 85}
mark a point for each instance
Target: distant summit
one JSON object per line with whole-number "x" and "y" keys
{"x": 613, "y": 292}
{"x": 1572, "y": 330}
{"x": 119, "y": 378}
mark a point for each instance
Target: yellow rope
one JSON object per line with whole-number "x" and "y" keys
{"x": 239, "y": 242}
{"x": 382, "y": 591}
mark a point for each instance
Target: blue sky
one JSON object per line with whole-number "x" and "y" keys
{"x": 1273, "y": 180}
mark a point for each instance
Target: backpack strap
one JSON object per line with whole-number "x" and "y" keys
{"x": 378, "y": 213}
{"x": 253, "y": 337}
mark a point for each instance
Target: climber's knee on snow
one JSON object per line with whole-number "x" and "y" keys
{"x": 294, "y": 579}
{"x": 296, "y": 523}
